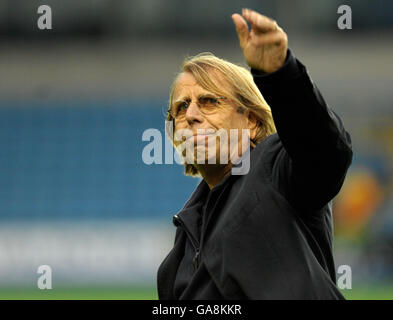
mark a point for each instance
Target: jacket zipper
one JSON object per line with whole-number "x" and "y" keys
{"x": 195, "y": 260}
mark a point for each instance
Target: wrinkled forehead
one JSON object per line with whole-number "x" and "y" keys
{"x": 185, "y": 81}
{"x": 187, "y": 84}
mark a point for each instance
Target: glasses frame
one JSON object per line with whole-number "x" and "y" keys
{"x": 197, "y": 102}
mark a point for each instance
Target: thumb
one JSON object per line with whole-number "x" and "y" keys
{"x": 241, "y": 28}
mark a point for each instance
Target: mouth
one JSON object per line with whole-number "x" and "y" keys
{"x": 200, "y": 136}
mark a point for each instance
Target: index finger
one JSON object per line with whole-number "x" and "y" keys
{"x": 259, "y": 22}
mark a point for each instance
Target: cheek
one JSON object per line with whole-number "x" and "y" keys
{"x": 180, "y": 126}
{"x": 235, "y": 121}
{"x": 228, "y": 119}
{"x": 221, "y": 120}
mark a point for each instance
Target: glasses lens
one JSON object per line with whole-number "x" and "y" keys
{"x": 206, "y": 104}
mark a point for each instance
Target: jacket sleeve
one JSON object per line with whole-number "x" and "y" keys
{"x": 310, "y": 169}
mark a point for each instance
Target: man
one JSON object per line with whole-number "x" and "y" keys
{"x": 266, "y": 234}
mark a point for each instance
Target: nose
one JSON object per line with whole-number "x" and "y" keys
{"x": 193, "y": 114}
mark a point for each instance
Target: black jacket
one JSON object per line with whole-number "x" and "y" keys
{"x": 267, "y": 234}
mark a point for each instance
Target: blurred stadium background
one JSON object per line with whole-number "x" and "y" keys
{"x": 75, "y": 100}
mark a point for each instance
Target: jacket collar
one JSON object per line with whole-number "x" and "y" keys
{"x": 191, "y": 214}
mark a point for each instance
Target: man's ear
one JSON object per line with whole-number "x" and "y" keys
{"x": 252, "y": 122}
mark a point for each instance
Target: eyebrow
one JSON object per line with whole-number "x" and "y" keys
{"x": 183, "y": 99}
{"x": 179, "y": 100}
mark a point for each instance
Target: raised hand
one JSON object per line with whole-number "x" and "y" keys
{"x": 265, "y": 45}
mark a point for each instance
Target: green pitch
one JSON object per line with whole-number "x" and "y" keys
{"x": 79, "y": 294}
{"x": 142, "y": 293}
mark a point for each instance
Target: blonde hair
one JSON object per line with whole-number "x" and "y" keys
{"x": 244, "y": 93}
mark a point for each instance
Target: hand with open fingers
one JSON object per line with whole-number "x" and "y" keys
{"x": 265, "y": 45}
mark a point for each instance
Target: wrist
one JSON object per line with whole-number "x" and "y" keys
{"x": 290, "y": 69}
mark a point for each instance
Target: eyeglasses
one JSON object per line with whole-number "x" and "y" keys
{"x": 207, "y": 105}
